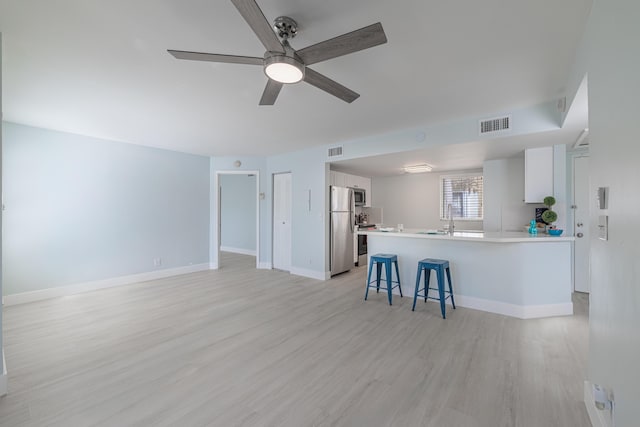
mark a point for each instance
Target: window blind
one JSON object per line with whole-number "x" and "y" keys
{"x": 464, "y": 194}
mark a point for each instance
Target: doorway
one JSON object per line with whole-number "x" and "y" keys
{"x": 580, "y": 197}
{"x": 282, "y": 221}
{"x": 239, "y": 220}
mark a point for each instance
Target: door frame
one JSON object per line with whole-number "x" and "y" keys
{"x": 217, "y": 217}
{"x": 572, "y": 228}
{"x": 273, "y": 218}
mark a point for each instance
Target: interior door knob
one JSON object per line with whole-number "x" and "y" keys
{"x": 579, "y": 224}
{"x": 579, "y": 235}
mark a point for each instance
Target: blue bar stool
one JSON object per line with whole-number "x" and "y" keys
{"x": 440, "y": 266}
{"x": 387, "y": 260}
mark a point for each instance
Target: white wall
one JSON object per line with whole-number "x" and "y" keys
{"x": 309, "y": 240}
{"x": 81, "y": 209}
{"x": 504, "y": 207}
{"x": 238, "y": 213}
{"x": 3, "y": 376}
{"x": 613, "y": 69}
{"x": 414, "y": 200}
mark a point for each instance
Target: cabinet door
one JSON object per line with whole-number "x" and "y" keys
{"x": 538, "y": 174}
{"x": 350, "y": 180}
{"x": 354, "y": 181}
{"x": 359, "y": 181}
{"x": 367, "y": 187}
{"x": 338, "y": 179}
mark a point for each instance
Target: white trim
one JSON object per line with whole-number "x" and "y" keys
{"x": 546, "y": 310}
{"x": 213, "y": 266}
{"x": 265, "y": 266}
{"x": 512, "y": 310}
{"x": 312, "y": 274}
{"x": 241, "y": 251}
{"x": 26, "y": 297}
{"x": 3, "y": 377}
{"x": 217, "y": 216}
{"x": 597, "y": 417}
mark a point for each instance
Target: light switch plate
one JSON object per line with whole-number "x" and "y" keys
{"x": 603, "y": 227}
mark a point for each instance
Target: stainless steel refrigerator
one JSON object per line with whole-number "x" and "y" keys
{"x": 342, "y": 212}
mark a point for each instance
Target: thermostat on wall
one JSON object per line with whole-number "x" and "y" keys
{"x": 602, "y": 197}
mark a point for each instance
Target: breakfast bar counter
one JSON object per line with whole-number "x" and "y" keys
{"x": 509, "y": 273}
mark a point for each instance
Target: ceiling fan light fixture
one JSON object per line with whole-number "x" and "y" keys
{"x": 418, "y": 168}
{"x": 283, "y": 69}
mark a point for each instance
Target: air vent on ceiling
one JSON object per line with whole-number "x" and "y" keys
{"x": 335, "y": 151}
{"x": 495, "y": 125}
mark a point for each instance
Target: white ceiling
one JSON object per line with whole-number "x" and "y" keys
{"x": 101, "y": 68}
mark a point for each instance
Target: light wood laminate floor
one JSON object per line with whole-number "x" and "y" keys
{"x": 247, "y": 347}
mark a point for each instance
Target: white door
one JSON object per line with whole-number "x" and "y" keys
{"x": 581, "y": 224}
{"x": 282, "y": 221}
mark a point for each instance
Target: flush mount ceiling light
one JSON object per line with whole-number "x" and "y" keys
{"x": 418, "y": 168}
{"x": 283, "y": 68}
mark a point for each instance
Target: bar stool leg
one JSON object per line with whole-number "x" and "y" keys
{"x": 366, "y": 294}
{"x": 387, "y": 267}
{"x": 415, "y": 294}
{"x": 441, "y": 290}
{"x": 450, "y": 289}
{"x": 427, "y": 280}
{"x": 378, "y": 275}
{"x": 398, "y": 276}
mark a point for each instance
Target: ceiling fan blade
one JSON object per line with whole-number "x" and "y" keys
{"x": 252, "y": 13}
{"x": 214, "y": 57}
{"x": 361, "y": 39}
{"x": 326, "y": 84}
{"x": 270, "y": 92}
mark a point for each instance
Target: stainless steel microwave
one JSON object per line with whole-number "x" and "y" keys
{"x": 359, "y": 196}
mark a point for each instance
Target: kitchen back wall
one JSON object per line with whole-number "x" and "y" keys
{"x": 414, "y": 200}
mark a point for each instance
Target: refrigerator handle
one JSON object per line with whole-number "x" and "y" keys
{"x": 351, "y": 211}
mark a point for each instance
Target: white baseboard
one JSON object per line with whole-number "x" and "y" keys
{"x": 3, "y": 377}
{"x": 265, "y": 266}
{"x": 312, "y": 274}
{"x": 514, "y": 310}
{"x": 507, "y": 309}
{"x": 598, "y": 418}
{"x": 238, "y": 250}
{"x": 26, "y": 297}
{"x": 213, "y": 266}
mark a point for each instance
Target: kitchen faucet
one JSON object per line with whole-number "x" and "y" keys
{"x": 451, "y": 224}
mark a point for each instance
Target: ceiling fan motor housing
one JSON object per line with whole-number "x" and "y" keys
{"x": 285, "y": 27}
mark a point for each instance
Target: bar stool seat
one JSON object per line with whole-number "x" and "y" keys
{"x": 440, "y": 266}
{"x": 387, "y": 260}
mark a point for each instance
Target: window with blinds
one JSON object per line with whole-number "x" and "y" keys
{"x": 463, "y": 195}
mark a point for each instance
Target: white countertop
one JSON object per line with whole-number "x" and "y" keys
{"x": 471, "y": 236}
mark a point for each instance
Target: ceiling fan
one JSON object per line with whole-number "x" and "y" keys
{"x": 285, "y": 65}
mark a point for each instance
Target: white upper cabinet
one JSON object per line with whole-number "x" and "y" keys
{"x": 356, "y": 181}
{"x": 538, "y": 174}
{"x": 340, "y": 179}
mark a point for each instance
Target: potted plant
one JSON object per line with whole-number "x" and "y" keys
{"x": 549, "y": 216}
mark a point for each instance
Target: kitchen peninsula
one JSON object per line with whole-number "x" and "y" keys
{"x": 510, "y": 273}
